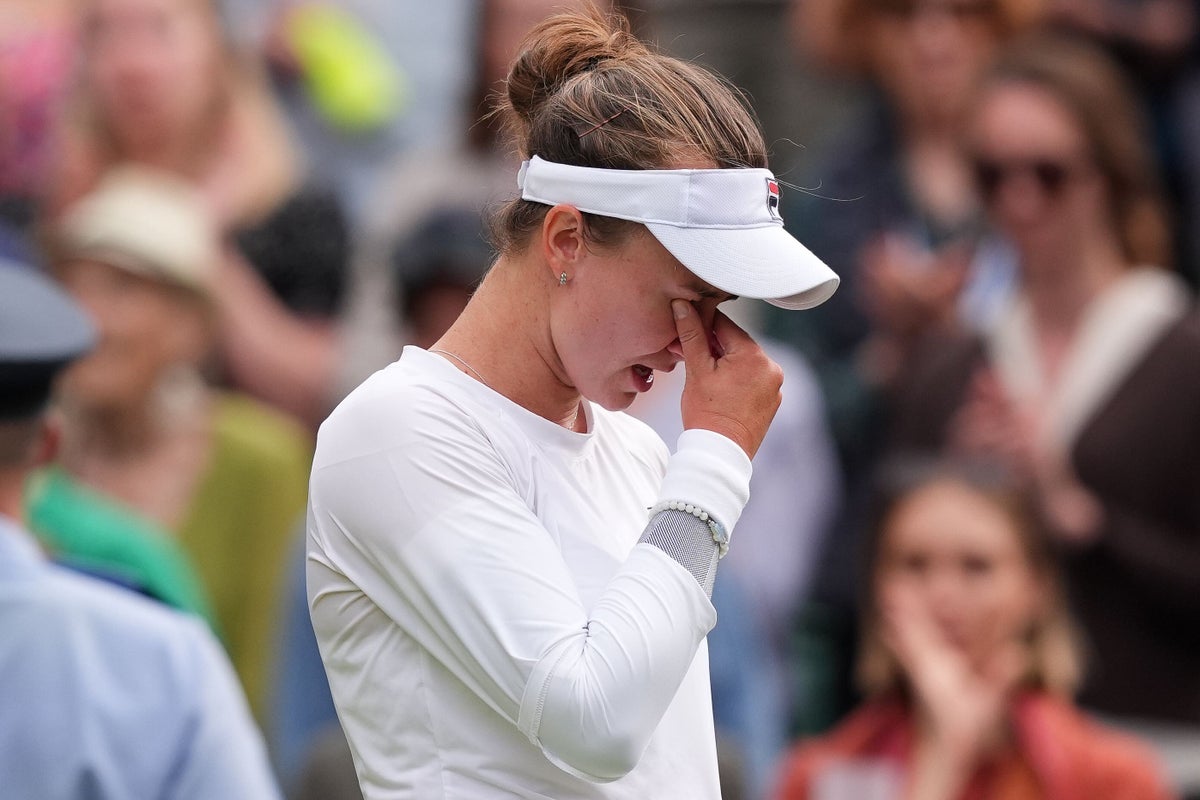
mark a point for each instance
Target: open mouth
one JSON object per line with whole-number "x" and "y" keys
{"x": 643, "y": 376}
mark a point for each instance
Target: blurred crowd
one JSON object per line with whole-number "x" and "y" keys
{"x": 970, "y": 566}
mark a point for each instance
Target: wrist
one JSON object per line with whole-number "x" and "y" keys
{"x": 710, "y": 471}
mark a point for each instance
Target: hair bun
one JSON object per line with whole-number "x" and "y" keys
{"x": 561, "y": 47}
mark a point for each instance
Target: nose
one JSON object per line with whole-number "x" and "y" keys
{"x": 944, "y": 591}
{"x": 675, "y": 348}
{"x": 1019, "y": 200}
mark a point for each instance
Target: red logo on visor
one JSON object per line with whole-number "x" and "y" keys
{"x": 773, "y": 199}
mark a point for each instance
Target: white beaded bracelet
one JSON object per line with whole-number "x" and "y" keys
{"x": 719, "y": 534}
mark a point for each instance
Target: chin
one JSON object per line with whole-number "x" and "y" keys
{"x": 619, "y": 402}
{"x": 608, "y": 394}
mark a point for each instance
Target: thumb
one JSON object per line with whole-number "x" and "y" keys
{"x": 688, "y": 327}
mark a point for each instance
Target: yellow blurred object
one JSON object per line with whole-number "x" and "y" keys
{"x": 353, "y": 83}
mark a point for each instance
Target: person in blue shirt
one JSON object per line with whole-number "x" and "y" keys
{"x": 107, "y": 695}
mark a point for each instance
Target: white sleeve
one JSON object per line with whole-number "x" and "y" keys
{"x": 433, "y": 530}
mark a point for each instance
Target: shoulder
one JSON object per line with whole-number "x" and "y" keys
{"x": 96, "y": 622}
{"x": 1164, "y": 376}
{"x": 122, "y": 690}
{"x": 858, "y": 736}
{"x": 412, "y": 425}
{"x": 407, "y": 402}
{"x": 1185, "y": 334}
{"x": 1113, "y": 763}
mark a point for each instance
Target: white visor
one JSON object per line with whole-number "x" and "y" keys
{"x": 722, "y": 224}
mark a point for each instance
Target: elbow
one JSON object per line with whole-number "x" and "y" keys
{"x": 598, "y": 758}
{"x": 615, "y": 758}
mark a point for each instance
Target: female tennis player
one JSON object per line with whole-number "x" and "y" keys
{"x": 509, "y": 578}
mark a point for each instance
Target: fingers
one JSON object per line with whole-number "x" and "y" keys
{"x": 729, "y": 336}
{"x": 692, "y": 337}
{"x": 724, "y": 337}
{"x": 732, "y": 386}
{"x": 911, "y": 632}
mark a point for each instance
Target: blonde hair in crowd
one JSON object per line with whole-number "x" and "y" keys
{"x": 585, "y": 91}
{"x": 1055, "y": 663}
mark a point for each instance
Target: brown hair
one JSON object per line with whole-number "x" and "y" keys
{"x": 850, "y": 45}
{"x": 585, "y": 91}
{"x": 1096, "y": 93}
{"x": 1055, "y": 663}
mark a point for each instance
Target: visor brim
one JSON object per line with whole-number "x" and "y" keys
{"x": 765, "y": 263}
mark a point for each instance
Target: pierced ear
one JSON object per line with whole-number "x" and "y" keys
{"x": 562, "y": 240}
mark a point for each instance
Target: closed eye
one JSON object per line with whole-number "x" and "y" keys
{"x": 714, "y": 294}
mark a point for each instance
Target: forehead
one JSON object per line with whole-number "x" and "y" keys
{"x": 649, "y": 256}
{"x": 947, "y": 516}
{"x": 1024, "y": 119}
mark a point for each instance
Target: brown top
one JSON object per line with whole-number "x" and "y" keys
{"x": 1136, "y": 588}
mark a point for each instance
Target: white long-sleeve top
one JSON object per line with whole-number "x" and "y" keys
{"x": 489, "y": 623}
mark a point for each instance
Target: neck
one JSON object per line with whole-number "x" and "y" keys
{"x": 180, "y": 155}
{"x": 120, "y": 433}
{"x": 1061, "y": 289}
{"x": 921, "y": 126}
{"x": 111, "y": 433}
{"x": 504, "y": 335}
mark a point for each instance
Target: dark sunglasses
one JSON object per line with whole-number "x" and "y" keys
{"x": 1051, "y": 175}
{"x": 958, "y": 9}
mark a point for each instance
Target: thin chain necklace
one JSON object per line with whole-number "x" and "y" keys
{"x": 574, "y": 417}
{"x": 469, "y": 368}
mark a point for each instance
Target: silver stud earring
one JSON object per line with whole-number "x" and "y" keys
{"x": 562, "y": 279}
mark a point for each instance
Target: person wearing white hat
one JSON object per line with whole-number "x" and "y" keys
{"x": 509, "y": 579}
{"x": 205, "y": 486}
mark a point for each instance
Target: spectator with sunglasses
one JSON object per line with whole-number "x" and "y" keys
{"x": 893, "y": 207}
{"x": 893, "y": 204}
{"x": 1087, "y": 382}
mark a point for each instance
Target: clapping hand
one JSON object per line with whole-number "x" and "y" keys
{"x": 961, "y": 706}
